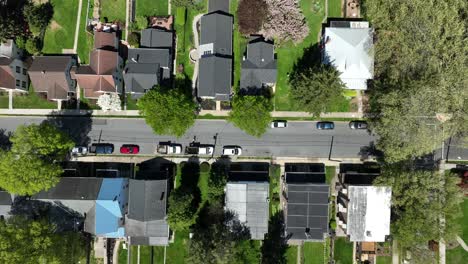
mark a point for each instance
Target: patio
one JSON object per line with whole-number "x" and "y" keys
{"x": 353, "y": 9}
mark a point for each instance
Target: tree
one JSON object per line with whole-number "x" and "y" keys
{"x": 182, "y": 209}
{"x": 183, "y": 3}
{"x": 109, "y": 102}
{"x": 316, "y": 88}
{"x": 11, "y": 21}
{"x": 26, "y": 242}
{"x": 251, "y": 14}
{"x": 168, "y": 111}
{"x": 419, "y": 199}
{"x": 418, "y": 73}
{"x": 275, "y": 244}
{"x": 27, "y": 175}
{"x": 142, "y": 22}
{"x": 33, "y": 45}
{"x": 44, "y": 141}
{"x": 38, "y": 16}
{"x": 217, "y": 181}
{"x": 251, "y": 114}
{"x": 134, "y": 39}
{"x": 284, "y": 21}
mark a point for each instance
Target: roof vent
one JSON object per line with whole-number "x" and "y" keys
{"x": 263, "y": 59}
{"x": 368, "y": 233}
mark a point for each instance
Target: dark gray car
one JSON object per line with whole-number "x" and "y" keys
{"x": 358, "y": 124}
{"x": 102, "y": 148}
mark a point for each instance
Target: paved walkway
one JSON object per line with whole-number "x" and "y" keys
{"x": 77, "y": 28}
{"x": 462, "y": 243}
{"x": 395, "y": 253}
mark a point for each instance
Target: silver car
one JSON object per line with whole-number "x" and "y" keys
{"x": 279, "y": 124}
{"x": 232, "y": 150}
{"x": 79, "y": 151}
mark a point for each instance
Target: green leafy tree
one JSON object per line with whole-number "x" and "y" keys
{"x": 141, "y": 22}
{"x": 316, "y": 88}
{"x": 27, "y": 175}
{"x": 251, "y": 114}
{"x": 419, "y": 199}
{"x": 38, "y": 16}
{"x": 182, "y": 209}
{"x": 33, "y": 45}
{"x": 217, "y": 181}
{"x": 168, "y": 111}
{"x": 27, "y": 242}
{"x": 11, "y": 21}
{"x": 44, "y": 141}
{"x": 275, "y": 244}
{"x": 134, "y": 39}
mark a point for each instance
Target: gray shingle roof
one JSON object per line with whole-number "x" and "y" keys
{"x": 72, "y": 188}
{"x": 156, "y": 38}
{"x": 307, "y": 209}
{"x": 218, "y": 5}
{"x": 259, "y": 66}
{"x": 216, "y": 28}
{"x": 214, "y": 80}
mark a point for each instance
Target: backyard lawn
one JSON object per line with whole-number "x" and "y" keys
{"x": 60, "y": 33}
{"x": 85, "y": 39}
{"x": 343, "y": 251}
{"x": 151, "y": 7}
{"x": 334, "y": 8}
{"x": 33, "y": 101}
{"x": 113, "y": 10}
{"x": 313, "y": 253}
{"x": 289, "y": 53}
{"x": 384, "y": 260}
{"x": 456, "y": 256}
{"x": 131, "y": 103}
{"x": 291, "y": 255}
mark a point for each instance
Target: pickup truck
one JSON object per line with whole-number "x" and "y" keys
{"x": 169, "y": 148}
{"x": 199, "y": 149}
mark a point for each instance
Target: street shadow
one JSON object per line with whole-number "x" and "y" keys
{"x": 155, "y": 169}
{"x": 5, "y": 143}
{"x": 77, "y": 127}
{"x": 275, "y": 244}
{"x": 249, "y": 171}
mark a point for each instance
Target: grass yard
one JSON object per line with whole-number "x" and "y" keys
{"x": 334, "y": 8}
{"x": 464, "y": 220}
{"x": 384, "y": 260}
{"x": 456, "y": 256}
{"x": 131, "y": 103}
{"x": 85, "y": 39}
{"x": 113, "y": 10}
{"x": 123, "y": 253}
{"x": 60, "y": 33}
{"x": 240, "y": 44}
{"x": 291, "y": 255}
{"x": 343, "y": 251}
{"x": 151, "y": 7}
{"x": 289, "y": 53}
{"x": 176, "y": 252}
{"x": 275, "y": 174}
{"x": 313, "y": 253}
{"x": 329, "y": 173}
{"x": 32, "y": 101}
{"x": 4, "y": 100}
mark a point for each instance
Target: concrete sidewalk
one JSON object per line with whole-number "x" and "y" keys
{"x": 135, "y": 113}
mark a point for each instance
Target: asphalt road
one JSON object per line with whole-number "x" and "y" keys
{"x": 299, "y": 139}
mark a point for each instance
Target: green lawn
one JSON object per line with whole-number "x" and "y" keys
{"x": 240, "y": 44}
{"x": 313, "y": 253}
{"x": 4, "y": 100}
{"x": 123, "y": 253}
{"x": 334, "y": 8}
{"x": 114, "y": 10}
{"x": 291, "y": 255}
{"x": 289, "y": 53}
{"x": 131, "y": 103}
{"x": 85, "y": 39}
{"x": 60, "y": 33}
{"x": 176, "y": 252}
{"x": 203, "y": 186}
{"x": 464, "y": 220}
{"x": 32, "y": 101}
{"x": 151, "y": 7}
{"x": 343, "y": 251}
{"x": 329, "y": 173}
{"x": 275, "y": 174}
{"x": 384, "y": 260}
{"x": 456, "y": 256}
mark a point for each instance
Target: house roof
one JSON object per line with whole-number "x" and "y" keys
{"x": 249, "y": 201}
{"x": 216, "y": 28}
{"x": 305, "y": 172}
{"x": 156, "y": 38}
{"x": 214, "y": 79}
{"x": 103, "y": 62}
{"x": 368, "y": 215}
{"x": 218, "y": 5}
{"x": 7, "y": 77}
{"x": 259, "y": 66}
{"x": 350, "y": 50}
{"x": 49, "y": 74}
{"x": 106, "y": 40}
{"x": 147, "y": 200}
{"x": 307, "y": 211}
{"x": 72, "y": 188}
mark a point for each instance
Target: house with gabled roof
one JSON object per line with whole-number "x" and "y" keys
{"x": 151, "y": 64}
{"x": 6, "y": 200}
{"x": 258, "y": 68}
{"x": 52, "y": 75}
{"x": 104, "y": 72}
{"x": 13, "y": 69}
{"x": 349, "y": 47}
{"x": 215, "y": 55}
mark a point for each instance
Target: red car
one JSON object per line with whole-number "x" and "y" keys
{"x": 129, "y": 149}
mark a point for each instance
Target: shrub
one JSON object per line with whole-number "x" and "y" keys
{"x": 134, "y": 39}
{"x": 33, "y": 45}
{"x": 251, "y": 14}
{"x": 141, "y": 22}
{"x": 205, "y": 167}
{"x": 333, "y": 224}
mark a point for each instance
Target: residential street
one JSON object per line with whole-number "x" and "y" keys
{"x": 299, "y": 139}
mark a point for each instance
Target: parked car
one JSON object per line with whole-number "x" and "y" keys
{"x": 199, "y": 149}
{"x": 325, "y": 125}
{"x": 358, "y": 124}
{"x": 79, "y": 151}
{"x": 129, "y": 149}
{"x": 101, "y": 148}
{"x": 232, "y": 150}
{"x": 169, "y": 148}
{"x": 279, "y": 124}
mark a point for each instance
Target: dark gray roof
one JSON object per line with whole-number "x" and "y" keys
{"x": 216, "y": 28}
{"x": 147, "y": 200}
{"x": 214, "y": 80}
{"x": 156, "y": 38}
{"x": 221, "y": 5}
{"x": 259, "y": 66}
{"x": 5, "y": 198}
{"x": 146, "y": 68}
{"x": 72, "y": 188}
{"x": 307, "y": 208}
{"x": 151, "y": 241}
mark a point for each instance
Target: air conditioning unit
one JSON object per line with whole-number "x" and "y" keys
{"x": 360, "y": 24}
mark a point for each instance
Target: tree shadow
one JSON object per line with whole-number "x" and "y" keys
{"x": 77, "y": 127}
{"x": 370, "y": 151}
{"x": 155, "y": 169}
{"x": 275, "y": 244}
{"x": 5, "y": 143}
{"x": 190, "y": 174}
{"x": 311, "y": 59}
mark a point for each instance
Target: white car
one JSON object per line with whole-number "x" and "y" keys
{"x": 205, "y": 150}
{"x": 279, "y": 124}
{"x": 232, "y": 150}
{"x": 79, "y": 151}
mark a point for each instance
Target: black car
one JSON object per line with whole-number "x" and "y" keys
{"x": 358, "y": 124}
{"x": 325, "y": 125}
{"x": 102, "y": 148}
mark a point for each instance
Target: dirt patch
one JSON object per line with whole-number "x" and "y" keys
{"x": 54, "y": 25}
{"x": 39, "y": 1}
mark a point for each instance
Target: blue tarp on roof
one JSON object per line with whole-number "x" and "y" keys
{"x": 109, "y": 204}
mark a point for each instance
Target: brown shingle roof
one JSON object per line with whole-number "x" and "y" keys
{"x": 7, "y": 78}
{"x": 104, "y": 61}
{"x": 105, "y": 40}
